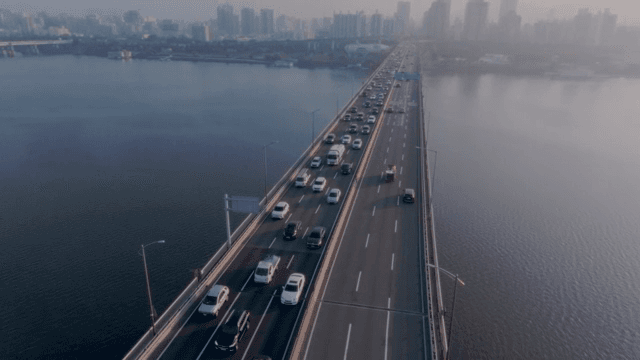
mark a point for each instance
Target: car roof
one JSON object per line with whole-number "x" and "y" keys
{"x": 334, "y": 190}
{"x": 295, "y": 277}
{"x": 297, "y": 222}
{"x": 215, "y": 290}
{"x": 318, "y": 228}
{"x": 321, "y": 178}
{"x": 282, "y": 203}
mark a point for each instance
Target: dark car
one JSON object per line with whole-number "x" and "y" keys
{"x": 232, "y": 331}
{"x": 291, "y": 230}
{"x": 389, "y": 109}
{"x": 316, "y": 238}
{"x": 330, "y": 139}
{"x": 375, "y": 111}
{"x": 346, "y": 168}
{"x": 367, "y": 104}
{"x": 354, "y": 109}
{"x": 409, "y": 195}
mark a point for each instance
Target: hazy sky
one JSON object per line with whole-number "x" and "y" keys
{"x": 628, "y": 10}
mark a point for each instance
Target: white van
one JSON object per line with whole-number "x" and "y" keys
{"x": 302, "y": 178}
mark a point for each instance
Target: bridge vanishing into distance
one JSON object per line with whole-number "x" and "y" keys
{"x": 372, "y": 289}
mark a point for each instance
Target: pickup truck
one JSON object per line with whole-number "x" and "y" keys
{"x": 266, "y": 269}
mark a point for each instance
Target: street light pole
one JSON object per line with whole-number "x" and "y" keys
{"x": 265, "y": 171}
{"x": 457, "y": 280}
{"x": 146, "y": 274}
{"x": 313, "y": 125}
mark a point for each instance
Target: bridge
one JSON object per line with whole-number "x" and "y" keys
{"x": 371, "y": 289}
{"x": 7, "y": 48}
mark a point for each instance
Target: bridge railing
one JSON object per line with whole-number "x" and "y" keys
{"x": 149, "y": 346}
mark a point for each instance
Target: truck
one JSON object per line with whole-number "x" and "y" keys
{"x": 334, "y": 155}
{"x": 266, "y": 269}
{"x": 390, "y": 173}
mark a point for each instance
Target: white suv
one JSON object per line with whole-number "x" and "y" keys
{"x": 292, "y": 291}
{"x": 319, "y": 184}
{"x": 214, "y": 300}
{"x": 280, "y": 210}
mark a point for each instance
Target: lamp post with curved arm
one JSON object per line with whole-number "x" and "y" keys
{"x": 146, "y": 274}
{"x": 457, "y": 280}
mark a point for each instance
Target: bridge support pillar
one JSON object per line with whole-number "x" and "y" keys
{"x": 36, "y": 50}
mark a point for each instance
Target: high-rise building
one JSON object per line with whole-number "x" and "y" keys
{"x": 607, "y": 27}
{"x": 348, "y": 25}
{"x": 584, "y": 27}
{"x": 248, "y": 21}
{"x": 226, "y": 20}
{"x": 436, "y": 20}
{"x": 475, "y": 20}
{"x": 201, "y": 32}
{"x": 402, "y": 17}
{"x": 376, "y": 25}
{"x": 266, "y": 21}
{"x": 507, "y": 6}
{"x": 388, "y": 27}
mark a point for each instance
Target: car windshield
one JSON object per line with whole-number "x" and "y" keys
{"x": 261, "y": 271}
{"x": 318, "y": 182}
{"x": 291, "y": 287}
{"x": 210, "y": 300}
{"x": 227, "y": 335}
{"x": 314, "y": 234}
{"x": 291, "y": 227}
{"x": 333, "y": 194}
{"x": 279, "y": 208}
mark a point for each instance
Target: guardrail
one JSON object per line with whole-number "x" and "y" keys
{"x": 173, "y": 317}
{"x": 436, "y": 308}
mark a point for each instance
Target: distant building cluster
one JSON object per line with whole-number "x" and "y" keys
{"x": 247, "y": 23}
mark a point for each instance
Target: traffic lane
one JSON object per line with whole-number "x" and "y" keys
{"x": 276, "y": 330}
{"x": 366, "y": 340}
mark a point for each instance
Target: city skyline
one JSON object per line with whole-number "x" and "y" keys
{"x": 202, "y": 10}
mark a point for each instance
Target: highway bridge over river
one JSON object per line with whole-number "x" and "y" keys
{"x": 370, "y": 293}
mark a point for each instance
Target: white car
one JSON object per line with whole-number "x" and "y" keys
{"x": 280, "y": 210}
{"x": 357, "y": 144}
{"x": 346, "y": 139}
{"x": 371, "y": 119}
{"x": 334, "y": 196}
{"x": 214, "y": 300}
{"x": 292, "y": 291}
{"x": 319, "y": 184}
{"x": 316, "y": 162}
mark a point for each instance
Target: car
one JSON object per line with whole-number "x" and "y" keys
{"x": 398, "y": 85}
{"x": 372, "y": 97}
{"x": 330, "y": 139}
{"x": 375, "y": 111}
{"x": 353, "y": 128}
{"x": 371, "y": 119}
{"x": 409, "y": 195}
{"x": 213, "y": 301}
{"x": 366, "y": 104}
{"x": 346, "y": 168}
{"x": 319, "y": 183}
{"x": 316, "y": 237}
{"x": 388, "y": 82}
{"x": 401, "y": 110}
{"x": 334, "y": 196}
{"x": 366, "y": 129}
{"x": 346, "y": 139}
{"x": 390, "y": 109}
{"x": 357, "y": 144}
{"x": 369, "y": 88}
{"x": 360, "y": 116}
{"x": 280, "y": 210}
{"x": 347, "y": 117}
{"x": 232, "y": 331}
{"x": 292, "y": 290}
{"x": 291, "y": 230}
{"x": 316, "y": 162}
{"x": 354, "y": 109}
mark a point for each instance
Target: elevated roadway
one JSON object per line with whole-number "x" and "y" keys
{"x": 374, "y": 297}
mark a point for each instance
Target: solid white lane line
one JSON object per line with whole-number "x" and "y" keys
{"x": 400, "y": 170}
{"x": 396, "y": 229}
{"x": 374, "y": 211}
{"x": 246, "y": 282}
{"x": 402, "y": 156}
{"x": 367, "y": 243}
{"x": 378, "y": 189}
{"x": 274, "y": 240}
{"x": 258, "y": 327}
{"x": 346, "y": 347}
{"x": 358, "y": 283}
{"x": 317, "y": 209}
{"x": 305, "y": 232}
{"x": 290, "y": 261}
{"x": 288, "y": 217}
{"x": 393, "y": 257}
{"x": 299, "y": 201}
{"x": 386, "y": 337}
